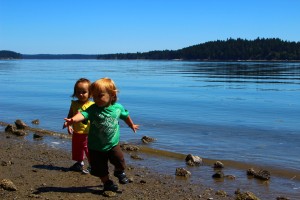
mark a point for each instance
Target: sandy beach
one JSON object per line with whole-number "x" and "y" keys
{"x": 32, "y": 169}
{"x": 42, "y": 172}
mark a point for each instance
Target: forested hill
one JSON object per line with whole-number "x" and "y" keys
{"x": 4, "y": 54}
{"x": 220, "y": 50}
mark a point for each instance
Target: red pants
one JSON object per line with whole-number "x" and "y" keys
{"x": 79, "y": 147}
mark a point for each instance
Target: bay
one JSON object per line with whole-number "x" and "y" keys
{"x": 247, "y": 112}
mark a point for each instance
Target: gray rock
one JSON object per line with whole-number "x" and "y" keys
{"x": 193, "y": 160}
{"x": 9, "y": 128}
{"x": 218, "y": 175}
{"x": 36, "y": 121}
{"x": 221, "y": 193}
{"x": 136, "y": 157}
{"x": 128, "y": 147}
{"x": 261, "y": 174}
{"x": 146, "y": 139}
{"x": 20, "y": 124}
{"x": 182, "y": 172}
{"x": 246, "y": 196}
{"x": 6, "y": 163}
{"x": 19, "y": 133}
{"x": 7, "y": 184}
{"x": 218, "y": 165}
{"x": 37, "y": 136}
{"x": 109, "y": 194}
{"x": 251, "y": 172}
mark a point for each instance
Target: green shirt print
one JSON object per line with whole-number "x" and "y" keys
{"x": 104, "y": 131}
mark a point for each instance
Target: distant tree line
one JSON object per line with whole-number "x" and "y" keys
{"x": 4, "y": 54}
{"x": 220, "y": 50}
{"x": 59, "y": 56}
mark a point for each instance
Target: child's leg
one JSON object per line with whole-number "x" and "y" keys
{"x": 78, "y": 144}
{"x": 85, "y": 147}
{"x": 116, "y": 157}
{"x": 109, "y": 184}
{"x": 99, "y": 168}
{"x": 77, "y": 153}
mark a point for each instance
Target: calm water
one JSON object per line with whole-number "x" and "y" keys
{"x": 236, "y": 111}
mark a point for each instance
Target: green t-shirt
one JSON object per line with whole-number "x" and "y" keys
{"x": 104, "y": 131}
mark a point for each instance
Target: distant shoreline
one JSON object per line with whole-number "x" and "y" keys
{"x": 269, "y": 49}
{"x": 205, "y": 60}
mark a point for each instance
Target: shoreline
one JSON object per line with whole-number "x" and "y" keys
{"x": 279, "y": 172}
{"x": 137, "y": 170}
{"x": 39, "y": 171}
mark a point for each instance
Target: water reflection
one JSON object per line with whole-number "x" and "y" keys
{"x": 285, "y": 73}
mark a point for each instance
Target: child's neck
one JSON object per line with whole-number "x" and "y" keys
{"x": 105, "y": 106}
{"x": 82, "y": 102}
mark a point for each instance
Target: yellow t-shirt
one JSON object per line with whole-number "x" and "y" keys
{"x": 80, "y": 127}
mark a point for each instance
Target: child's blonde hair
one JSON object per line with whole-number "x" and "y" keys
{"x": 108, "y": 85}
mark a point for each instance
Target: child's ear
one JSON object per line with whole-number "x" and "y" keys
{"x": 113, "y": 97}
{"x": 114, "y": 94}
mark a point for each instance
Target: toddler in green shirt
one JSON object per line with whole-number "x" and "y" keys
{"x": 104, "y": 132}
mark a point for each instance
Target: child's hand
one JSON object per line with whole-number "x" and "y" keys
{"x": 68, "y": 122}
{"x": 130, "y": 123}
{"x": 70, "y": 130}
{"x": 135, "y": 127}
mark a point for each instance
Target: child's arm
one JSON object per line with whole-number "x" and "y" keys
{"x": 70, "y": 114}
{"x": 76, "y": 118}
{"x": 130, "y": 123}
{"x": 70, "y": 128}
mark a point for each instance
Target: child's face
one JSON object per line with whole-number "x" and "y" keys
{"x": 82, "y": 91}
{"x": 102, "y": 98}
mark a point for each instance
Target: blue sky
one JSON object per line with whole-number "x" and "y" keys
{"x": 129, "y": 26}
